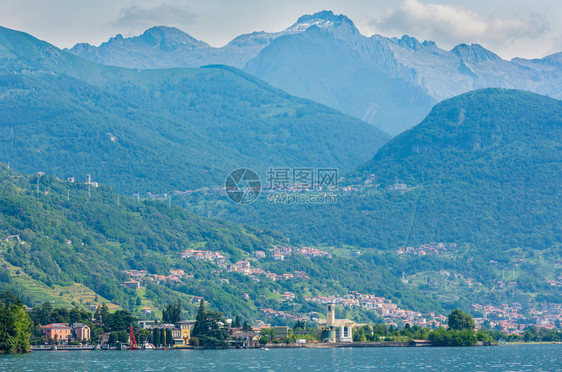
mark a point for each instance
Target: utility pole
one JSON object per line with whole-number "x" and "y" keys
{"x": 68, "y": 194}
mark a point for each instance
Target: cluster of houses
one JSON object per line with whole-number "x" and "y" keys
{"x": 80, "y": 332}
{"x": 509, "y": 317}
{"x": 245, "y": 268}
{"x": 392, "y": 314}
{"x": 432, "y": 248}
{"x": 137, "y": 278}
{"x": 197, "y": 254}
{"x": 313, "y": 252}
{"x": 556, "y": 282}
{"x": 279, "y": 252}
{"x": 12, "y": 238}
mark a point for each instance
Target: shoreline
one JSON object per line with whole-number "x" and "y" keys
{"x": 312, "y": 345}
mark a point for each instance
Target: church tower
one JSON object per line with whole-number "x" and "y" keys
{"x": 331, "y": 315}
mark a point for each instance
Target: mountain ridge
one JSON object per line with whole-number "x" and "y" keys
{"x": 414, "y": 68}
{"x": 154, "y": 121}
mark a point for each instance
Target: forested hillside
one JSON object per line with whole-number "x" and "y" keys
{"x": 62, "y": 236}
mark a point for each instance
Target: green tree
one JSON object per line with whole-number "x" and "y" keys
{"x": 42, "y": 314}
{"x": 101, "y": 313}
{"x": 451, "y": 337}
{"x": 139, "y": 301}
{"x": 210, "y": 328}
{"x": 269, "y": 333}
{"x": 112, "y": 338}
{"x": 169, "y": 339}
{"x": 172, "y": 313}
{"x": 459, "y": 320}
{"x": 122, "y": 336}
{"x": 143, "y": 335}
{"x": 15, "y": 327}
{"x": 156, "y": 337}
{"x": 120, "y": 320}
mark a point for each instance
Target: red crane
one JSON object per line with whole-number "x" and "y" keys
{"x": 132, "y": 340}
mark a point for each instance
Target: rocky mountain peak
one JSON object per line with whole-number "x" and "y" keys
{"x": 474, "y": 53}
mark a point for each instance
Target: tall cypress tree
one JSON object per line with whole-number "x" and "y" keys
{"x": 156, "y": 336}
{"x": 169, "y": 339}
{"x": 200, "y": 321}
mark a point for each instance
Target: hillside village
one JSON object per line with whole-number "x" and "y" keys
{"x": 506, "y": 318}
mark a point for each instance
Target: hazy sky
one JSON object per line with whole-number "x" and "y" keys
{"x": 523, "y": 28}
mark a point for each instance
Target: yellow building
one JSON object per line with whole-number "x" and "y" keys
{"x": 182, "y": 333}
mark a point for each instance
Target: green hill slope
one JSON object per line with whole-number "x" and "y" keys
{"x": 482, "y": 168}
{"x": 157, "y": 130}
{"x": 488, "y": 165}
{"x": 74, "y": 246}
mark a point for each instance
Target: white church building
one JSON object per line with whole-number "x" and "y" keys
{"x": 337, "y": 330}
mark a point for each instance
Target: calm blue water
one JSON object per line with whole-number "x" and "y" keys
{"x": 501, "y": 358}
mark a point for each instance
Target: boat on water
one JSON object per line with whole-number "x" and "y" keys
{"x": 264, "y": 349}
{"x": 147, "y": 346}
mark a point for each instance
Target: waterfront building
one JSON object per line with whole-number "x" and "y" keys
{"x": 281, "y": 332}
{"x": 57, "y": 331}
{"x": 336, "y": 330}
{"x": 80, "y": 331}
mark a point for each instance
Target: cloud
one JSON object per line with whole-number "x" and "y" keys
{"x": 452, "y": 25}
{"x": 135, "y": 18}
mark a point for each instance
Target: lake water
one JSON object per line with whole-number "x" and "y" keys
{"x": 501, "y": 358}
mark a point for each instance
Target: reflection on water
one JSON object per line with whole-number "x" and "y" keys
{"x": 502, "y": 358}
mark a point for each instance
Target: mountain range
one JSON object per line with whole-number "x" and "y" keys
{"x": 481, "y": 172}
{"x": 159, "y": 130}
{"x": 386, "y": 81}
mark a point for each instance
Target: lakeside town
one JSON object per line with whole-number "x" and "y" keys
{"x": 210, "y": 329}
{"x": 507, "y": 318}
